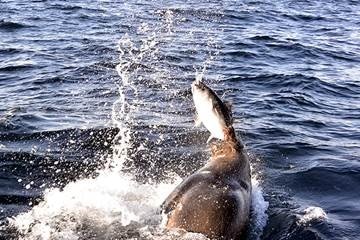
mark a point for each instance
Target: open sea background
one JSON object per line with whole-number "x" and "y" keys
{"x": 96, "y": 115}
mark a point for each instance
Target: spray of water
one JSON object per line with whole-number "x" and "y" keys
{"x": 126, "y": 107}
{"x": 113, "y": 205}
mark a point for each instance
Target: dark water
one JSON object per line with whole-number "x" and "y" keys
{"x": 290, "y": 68}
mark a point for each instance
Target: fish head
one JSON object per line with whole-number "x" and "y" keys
{"x": 199, "y": 89}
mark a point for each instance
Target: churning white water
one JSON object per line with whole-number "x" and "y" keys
{"x": 109, "y": 207}
{"x": 312, "y": 213}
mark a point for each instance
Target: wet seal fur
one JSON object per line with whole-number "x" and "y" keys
{"x": 215, "y": 200}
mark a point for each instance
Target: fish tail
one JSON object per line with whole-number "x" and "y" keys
{"x": 230, "y": 136}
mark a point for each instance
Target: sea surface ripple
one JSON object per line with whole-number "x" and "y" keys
{"x": 91, "y": 90}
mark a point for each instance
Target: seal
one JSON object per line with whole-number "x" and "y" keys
{"x": 215, "y": 200}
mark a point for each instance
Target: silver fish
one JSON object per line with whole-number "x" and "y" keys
{"x": 211, "y": 111}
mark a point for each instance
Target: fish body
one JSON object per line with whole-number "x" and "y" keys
{"x": 211, "y": 111}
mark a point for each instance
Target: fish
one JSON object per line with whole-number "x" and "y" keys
{"x": 213, "y": 113}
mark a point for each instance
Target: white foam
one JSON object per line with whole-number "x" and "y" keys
{"x": 312, "y": 214}
{"x": 162, "y": 234}
{"x": 112, "y": 200}
{"x": 259, "y": 206}
{"x": 100, "y": 202}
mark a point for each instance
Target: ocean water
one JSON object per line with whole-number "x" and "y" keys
{"x": 96, "y": 115}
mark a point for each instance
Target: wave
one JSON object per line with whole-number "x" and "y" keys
{"x": 16, "y": 67}
{"x": 264, "y": 38}
{"x": 297, "y": 83}
{"x": 92, "y": 138}
{"x": 10, "y": 50}
{"x": 66, "y": 7}
{"x": 51, "y": 80}
{"x": 9, "y": 25}
{"x": 325, "y": 179}
{"x": 312, "y": 51}
{"x": 13, "y": 122}
{"x": 304, "y": 17}
{"x": 285, "y": 224}
{"x": 240, "y": 53}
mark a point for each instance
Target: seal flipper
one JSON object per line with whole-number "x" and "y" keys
{"x": 173, "y": 199}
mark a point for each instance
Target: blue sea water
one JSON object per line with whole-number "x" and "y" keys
{"x": 95, "y": 98}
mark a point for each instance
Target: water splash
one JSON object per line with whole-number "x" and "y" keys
{"x": 259, "y": 207}
{"x": 312, "y": 214}
{"x": 126, "y": 107}
{"x": 93, "y": 207}
{"x": 213, "y": 51}
{"x": 113, "y": 205}
{"x": 169, "y": 20}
